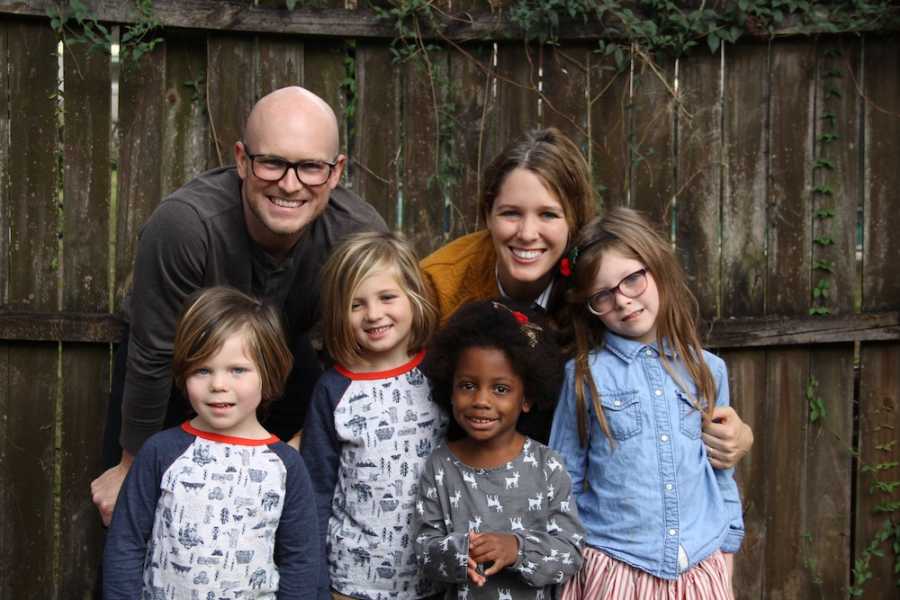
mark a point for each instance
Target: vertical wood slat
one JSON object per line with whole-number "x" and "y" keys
{"x": 517, "y": 94}
{"x": 699, "y": 178}
{"x": 839, "y": 69}
{"x": 377, "y": 141}
{"x": 745, "y": 181}
{"x": 792, "y": 127}
{"x": 610, "y": 118}
{"x": 323, "y": 74}
{"x": 825, "y": 550}
{"x": 787, "y": 371}
{"x": 185, "y": 138}
{"x": 879, "y": 422}
{"x": 746, "y": 377}
{"x": 4, "y": 166}
{"x": 139, "y": 181}
{"x": 7, "y": 532}
{"x": 789, "y": 232}
{"x": 29, "y": 472}
{"x": 564, "y": 87}
{"x": 230, "y": 97}
{"x": 743, "y": 276}
{"x": 825, "y": 544}
{"x": 281, "y": 63}
{"x": 652, "y": 140}
{"x": 86, "y": 193}
{"x": 879, "y": 416}
{"x": 475, "y": 109}
{"x": 423, "y": 96}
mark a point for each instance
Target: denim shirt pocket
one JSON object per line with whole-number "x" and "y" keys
{"x": 623, "y": 413}
{"x": 691, "y": 417}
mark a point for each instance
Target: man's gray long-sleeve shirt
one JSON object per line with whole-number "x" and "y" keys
{"x": 196, "y": 238}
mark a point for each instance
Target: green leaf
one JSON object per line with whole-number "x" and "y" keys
{"x": 712, "y": 40}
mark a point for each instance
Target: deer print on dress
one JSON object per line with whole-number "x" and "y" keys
{"x": 509, "y": 498}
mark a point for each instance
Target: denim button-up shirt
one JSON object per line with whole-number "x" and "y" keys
{"x": 651, "y": 499}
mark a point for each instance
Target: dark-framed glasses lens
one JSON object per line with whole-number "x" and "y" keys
{"x": 269, "y": 169}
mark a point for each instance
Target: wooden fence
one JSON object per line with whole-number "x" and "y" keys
{"x": 739, "y": 151}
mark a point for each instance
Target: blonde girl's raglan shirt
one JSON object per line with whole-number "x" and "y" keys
{"x": 366, "y": 439}
{"x": 204, "y": 515}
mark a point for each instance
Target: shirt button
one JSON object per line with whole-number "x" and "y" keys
{"x": 673, "y": 531}
{"x": 617, "y": 403}
{"x": 649, "y": 352}
{"x": 664, "y": 437}
{"x": 658, "y": 392}
{"x": 668, "y": 487}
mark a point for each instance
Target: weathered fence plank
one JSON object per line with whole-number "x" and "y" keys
{"x": 746, "y": 380}
{"x": 791, "y": 126}
{"x": 745, "y": 184}
{"x": 230, "y": 97}
{"x": 474, "y": 108}
{"x": 839, "y": 190}
{"x": 610, "y": 118}
{"x": 824, "y": 544}
{"x": 743, "y": 287}
{"x": 7, "y": 546}
{"x": 517, "y": 77}
{"x": 652, "y": 139}
{"x": 789, "y": 236}
{"x": 139, "y": 190}
{"x": 880, "y": 363}
{"x": 376, "y": 149}
{"x": 699, "y": 177}
{"x": 423, "y": 94}
{"x": 787, "y": 371}
{"x": 30, "y": 472}
{"x": 564, "y": 85}
{"x": 86, "y": 193}
{"x": 185, "y": 137}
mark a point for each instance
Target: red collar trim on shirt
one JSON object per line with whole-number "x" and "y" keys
{"x": 404, "y": 368}
{"x": 227, "y": 439}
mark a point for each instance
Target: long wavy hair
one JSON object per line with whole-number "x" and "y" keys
{"x": 627, "y": 232}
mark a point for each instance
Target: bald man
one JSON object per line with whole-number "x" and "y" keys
{"x": 264, "y": 226}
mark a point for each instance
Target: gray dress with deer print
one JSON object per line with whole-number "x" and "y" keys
{"x": 530, "y": 497}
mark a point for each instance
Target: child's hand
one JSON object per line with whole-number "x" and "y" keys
{"x": 476, "y": 577}
{"x": 500, "y": 548}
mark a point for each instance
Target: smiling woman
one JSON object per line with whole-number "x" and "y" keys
{"x": 536, "y": 196}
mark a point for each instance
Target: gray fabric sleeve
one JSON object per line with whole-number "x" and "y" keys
{"x": 442, "y": 556}
{"x": 553, "y": 554}
{"x": 169, "y": 266}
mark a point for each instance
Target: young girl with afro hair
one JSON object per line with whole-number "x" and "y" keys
{"x": 494, "y": 514}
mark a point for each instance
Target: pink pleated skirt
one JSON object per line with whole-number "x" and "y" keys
{"x": 604, "y": 578}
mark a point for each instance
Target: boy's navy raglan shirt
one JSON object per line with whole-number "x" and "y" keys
{"x": 201, "y": 514}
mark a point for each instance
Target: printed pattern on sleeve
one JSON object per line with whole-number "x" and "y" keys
{"x": 530, "y": 497}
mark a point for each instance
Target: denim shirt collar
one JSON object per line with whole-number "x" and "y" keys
{"x": 627, "y": 349}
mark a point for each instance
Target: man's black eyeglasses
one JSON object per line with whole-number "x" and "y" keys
{"x": 274, "y": 168}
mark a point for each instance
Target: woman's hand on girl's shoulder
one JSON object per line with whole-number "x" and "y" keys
{"x": 502, "y": 549}
{"x": 728, "y": 439}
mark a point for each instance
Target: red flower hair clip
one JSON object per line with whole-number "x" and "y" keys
{"x": 521, "y": 317}
{"x": 565, "y": 267}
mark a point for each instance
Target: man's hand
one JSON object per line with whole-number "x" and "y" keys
{"x": 105, "y": 489}
{"x": 500, "y": 548}
{"x": 727, "y": 438}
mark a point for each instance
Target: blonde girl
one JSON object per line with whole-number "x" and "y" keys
{"x": 371, "y": 423}
{"x": 661, "y": 522}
